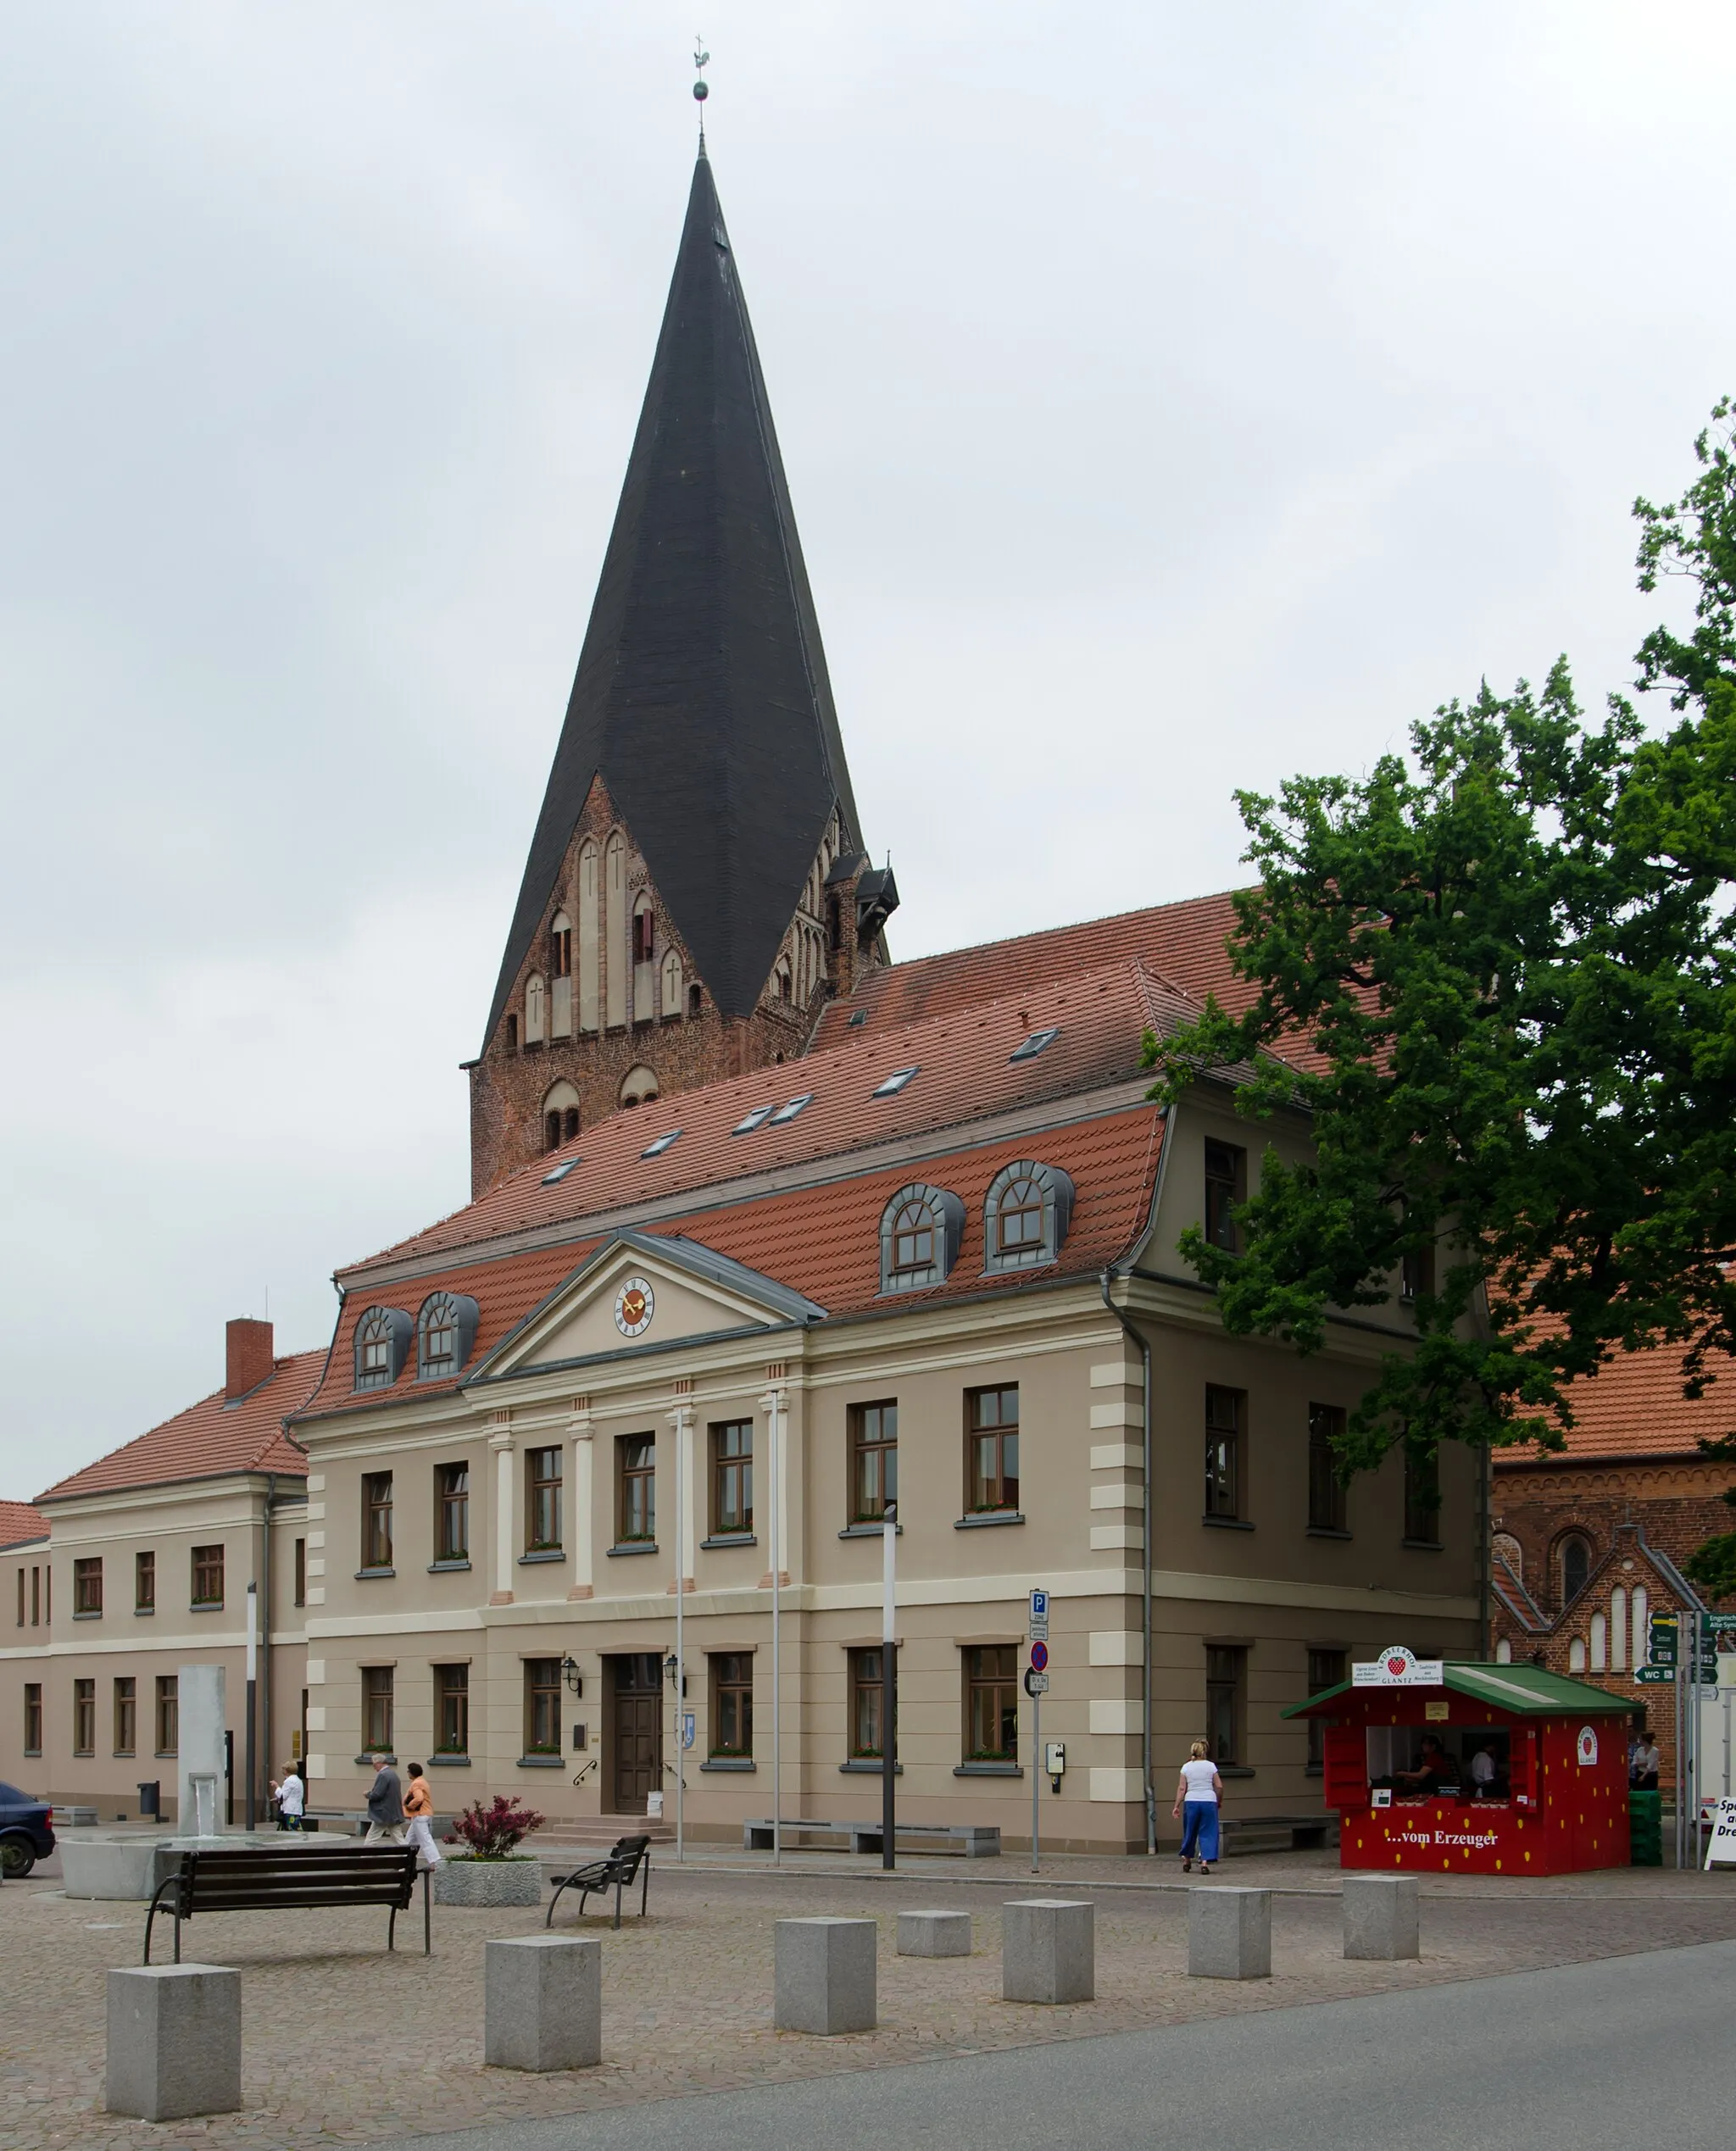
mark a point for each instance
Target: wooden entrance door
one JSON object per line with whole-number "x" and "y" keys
{"x": 637, "y": 1729}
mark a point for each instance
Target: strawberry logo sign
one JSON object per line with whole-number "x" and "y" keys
{"x": 1587, "y": 1747}
{"x": 1399, "y": 1666}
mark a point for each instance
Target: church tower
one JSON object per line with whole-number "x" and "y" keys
{"x": 698, "y": 883}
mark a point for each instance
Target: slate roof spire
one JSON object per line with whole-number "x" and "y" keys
{"x": 702, "y": 696}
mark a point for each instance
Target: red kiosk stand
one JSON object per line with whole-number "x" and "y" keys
{"x": 1474, "y": 1770}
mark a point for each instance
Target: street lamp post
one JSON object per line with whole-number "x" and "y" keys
{"x": 889, "y": 1686}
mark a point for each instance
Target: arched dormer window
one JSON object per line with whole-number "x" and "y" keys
{"x": 536, "y": 1009}
{"x": 671, "y": 983}
{"x": 1574, "y": 1557}
{"x": 919, "y": 1231}
{"x": 446, "y": 1329}
{"x": 781, "y": 979}
{"x": 382, "y": 1345}
{"x": 638, "y": 1087}
{"x": 1025, "y": 1215}
{"x": 560, "y": 1116}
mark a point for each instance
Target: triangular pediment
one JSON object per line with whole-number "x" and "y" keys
{"x": 645, "y": 1292}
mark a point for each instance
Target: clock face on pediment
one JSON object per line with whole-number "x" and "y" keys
{"x": 634, "y": 1305}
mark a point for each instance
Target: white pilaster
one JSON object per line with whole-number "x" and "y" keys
{"x": 583, "y": 1585}
{"x": 686, "y": 1538}
{"x": 501, "y": 1441}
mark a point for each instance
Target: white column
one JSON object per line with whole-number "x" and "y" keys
{"x": 686, "y": 1537}
{"x": 501, "y": 1441}
{"x": 582, "y": 1524}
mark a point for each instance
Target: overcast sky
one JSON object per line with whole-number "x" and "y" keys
{"x": 1172, "y": 398}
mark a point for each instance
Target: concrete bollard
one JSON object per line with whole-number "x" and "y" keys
{"x": 174, "y": 2041}
{"x": 823, "y": 1975}
{"x": 1229, "y": 1933}
{"x": 542, "y": 2003}
{"x": 934, "y": 1934}
{"x": 1048, "y": 1950}
{"x": 1382, "y": 1916}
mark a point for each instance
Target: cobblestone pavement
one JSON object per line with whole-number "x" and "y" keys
{"x": 343, "y": 2044}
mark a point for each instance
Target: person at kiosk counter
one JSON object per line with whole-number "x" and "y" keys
{"x": 1434, "y": 1769}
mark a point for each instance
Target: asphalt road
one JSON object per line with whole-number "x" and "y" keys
{"x": 1639, "y": 2050}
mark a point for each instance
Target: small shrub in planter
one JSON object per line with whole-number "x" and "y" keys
{"x": 486, "y": 1867}
{"x": 494, "y": 1831}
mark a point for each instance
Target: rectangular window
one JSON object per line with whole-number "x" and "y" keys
{"x": 1326, "y": 1669}
{"x": 1422, "y": 1498}
{"x": 874, "y": 1460}
{"x": 867, "y": 1704}
{"x": 1416, "y": 1274}
{"x": 1224, "y": 1409}
{"x": 84, "y": 1717}
{"x": 992, "y": 1436}
{"x": 452, "y": 1709}
{"x": 168, "y": 1712}
{"x": 543, "y": 1501}
{"x": 452, "y": 1528}
{"x": 541, "y": 1706}
{"x": 732, "y": 1477}
{"x": 1327, "y": 1505}
{"x": 561, "y": 951}
{"x": 144, "y": 1583}
{"x": 1225, "y": 1186}
{"x": 301, "y": 1572}
{"x": 36, "y": 1598}
{"x": 992, "y": 1703}
{"x": 88, "y": 1585}
{"x": 126, "y": 1715}
{"x": 1225, "y": 1678}
{"x": 376, "y": 1520}
{"x": 732, "y": 1703}
{"x": 377, "y": 1709}
{"x": 20, "y": 1597}
{"x": 32, "y": 1717}
{"x": 208, "y": 1575}
{"x": 636, "y": 1466}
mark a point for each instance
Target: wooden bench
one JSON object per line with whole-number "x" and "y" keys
{"x": 973, "y": 1840}
{"x": 262, "y": 1880}
{"x": 626, "y": 1857}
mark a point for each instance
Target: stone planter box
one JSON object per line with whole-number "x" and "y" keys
{"x": 489, "y": 1882}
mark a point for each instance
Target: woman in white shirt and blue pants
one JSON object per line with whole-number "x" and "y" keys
{"x": 1198, "y": 1793}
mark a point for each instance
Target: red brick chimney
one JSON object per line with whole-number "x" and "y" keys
{"x": 247, "y": 1357}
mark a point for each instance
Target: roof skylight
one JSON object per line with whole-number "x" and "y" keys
{"x": 859, "y": 1018}
{"x": 896, "y": 1082}
{"x": 1035, "y": 1044}
{"x": 749, "y": 1122}
{"x": 656, "y": 1149}
{"x": 789, "y": 1112}
{"x": 561, "y": 1171}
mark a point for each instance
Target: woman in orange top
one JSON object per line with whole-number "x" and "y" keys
{"x": 418, "y": 1807}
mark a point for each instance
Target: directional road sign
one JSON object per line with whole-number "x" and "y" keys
{"x": 1651, "y": 1674}
{"x": 1039, "y": 1657}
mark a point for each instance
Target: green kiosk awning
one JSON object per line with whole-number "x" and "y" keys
{"x": 1528, "y": 1691}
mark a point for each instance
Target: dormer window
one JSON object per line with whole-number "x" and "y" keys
{"x": 919, "y": 1231}
{"x": 446, "y": 1329}
{"x": 785, "y": 1112}
{"x": 656, "y": 1149}
{"x": 748, "y": 1121}
{"x": 1025, "y": 1215}
{"x": 896, "y": 1082}
{"x": 382, "y": 1345}
{"x": 1035, "y": 1044}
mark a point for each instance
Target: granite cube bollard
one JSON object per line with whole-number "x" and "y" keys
{"x": 1382, "y": 1916}
{"x": 174, "y": 2041}
{"x": 1048, "y": 1950}
{"x": 823, "y": 1975}
{"x": 934, "y": 1934}
{"x": 542, "y": 2003}
{"x": 1229, "y": 1933}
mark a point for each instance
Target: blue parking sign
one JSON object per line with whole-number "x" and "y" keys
{"x": 1039, "y": 1605}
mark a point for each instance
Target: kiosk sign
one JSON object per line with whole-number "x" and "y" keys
{"x": 1398, "y": 1667}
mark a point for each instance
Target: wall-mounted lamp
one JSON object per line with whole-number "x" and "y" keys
{"x": 574, "y": 1679}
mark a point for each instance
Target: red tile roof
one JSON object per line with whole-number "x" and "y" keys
{"x": 1181, "y": 943}
{"x": 209, "y": 1439}
{"x": 822, "y": 1241}
{"x": 19, "y": 1521}
{"x": 1634, "y": 1407}
{"x": 966, "y": 1075}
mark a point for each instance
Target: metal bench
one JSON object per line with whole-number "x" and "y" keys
{"x": 267, "y": 1880}
{"x": 626, "y": 1857}
{"x": 973, "y": 1840}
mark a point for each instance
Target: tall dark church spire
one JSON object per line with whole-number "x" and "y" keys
{"x": 701, "y": 699}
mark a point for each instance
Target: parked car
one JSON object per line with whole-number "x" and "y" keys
{"x": 27, "y": 1832}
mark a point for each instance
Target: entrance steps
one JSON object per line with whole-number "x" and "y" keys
{"x": 600, "y": 1831}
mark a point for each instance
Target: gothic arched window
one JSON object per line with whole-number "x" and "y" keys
{"x": 638, "y": 1087}
{"x": 1575, "y": 1559}
{"x": 560, "y": 1116}
{"x": 446, "y": 1329}
{"x": 382, "y": 1345}
{"x": 1025, "y": 1215}
{"x": 919, "y": 1231}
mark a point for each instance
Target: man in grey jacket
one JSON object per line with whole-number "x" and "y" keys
{"x": 386, "y": 1822}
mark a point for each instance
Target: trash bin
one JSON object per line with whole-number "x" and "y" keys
{"x": 151, "y": 1801}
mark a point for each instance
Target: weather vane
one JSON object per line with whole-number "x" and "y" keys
{"x": 701, "y": 88}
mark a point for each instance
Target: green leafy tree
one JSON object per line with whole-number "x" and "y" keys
{"x": 1497, "y": 974}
